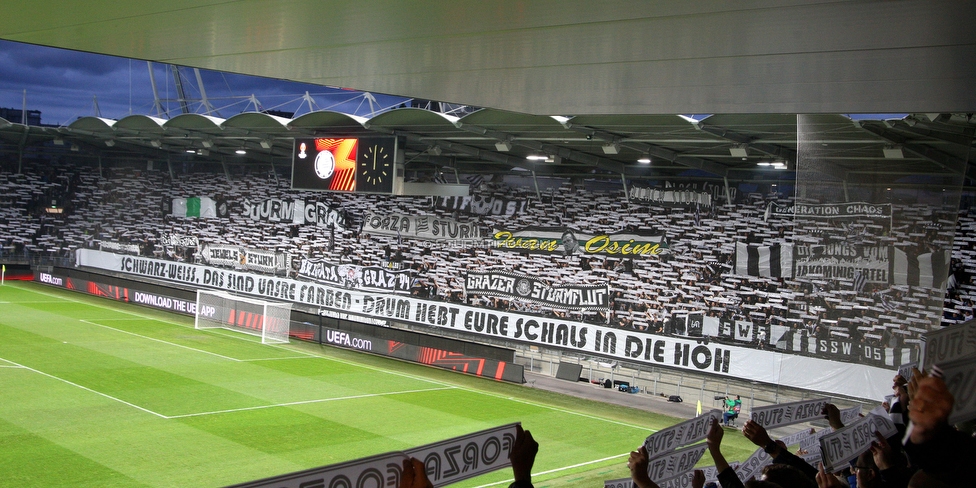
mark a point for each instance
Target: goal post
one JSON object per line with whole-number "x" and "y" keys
{"x": 267, "y": 320}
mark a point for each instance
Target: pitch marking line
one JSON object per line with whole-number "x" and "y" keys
{"x": 32, "y": 301}
{"x": 306, "y": 402}
{"x": 259, "y": 407}
{"x": 564, "y": 468}
{"x": 219, "y": 332}
{"x": 110, "y": 397}
{"x": 162, "y": 341}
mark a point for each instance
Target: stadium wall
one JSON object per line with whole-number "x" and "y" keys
{"x": 848, "y": 379}
{"x": 460, "y": 356}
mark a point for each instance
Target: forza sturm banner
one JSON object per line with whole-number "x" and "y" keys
{"x": 426, "y": 227}
{"x": 515, "y": 286}
{"x": 856, "y": 380}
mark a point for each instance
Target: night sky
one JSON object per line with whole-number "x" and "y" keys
{"x": 64, "y": 85}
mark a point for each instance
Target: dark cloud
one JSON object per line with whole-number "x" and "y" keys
{"x": 65, "y": 85}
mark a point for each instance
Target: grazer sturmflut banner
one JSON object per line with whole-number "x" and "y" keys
{"x": 567, "y": 241}
{"x": 356, "y": 277}
{"x": 427, "y": 227}
{"x": 295, "y": 212}
{"x": 829, "y": 210}
{"x": 855, "y": 380}
{"x": 520, "y": 287}
{"x": 671, "y": 196}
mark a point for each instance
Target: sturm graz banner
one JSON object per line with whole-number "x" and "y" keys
{"x": 520, "y": 287}
{"x": 425, "y": 227}
{"x": 356, "y": 277}
{"x": 295, "y": 212}
{"x": 566, "y": 241}
{"x": 829, "y": 210}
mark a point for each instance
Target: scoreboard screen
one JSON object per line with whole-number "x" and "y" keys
{"x": 344, "y": 164}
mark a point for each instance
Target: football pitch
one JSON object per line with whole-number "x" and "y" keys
{"x": 105, "y": 394}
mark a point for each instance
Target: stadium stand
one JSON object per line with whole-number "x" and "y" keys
{"x": 127, "y": 210}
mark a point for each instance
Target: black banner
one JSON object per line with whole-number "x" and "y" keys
{"x": 356, "y": 277}
{"x": 481, "y": 205}
{"x": 520, "y": 287}
{"x": 829, "y": 210}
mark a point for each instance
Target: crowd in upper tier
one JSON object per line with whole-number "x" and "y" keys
{"x": 129, "y": 206}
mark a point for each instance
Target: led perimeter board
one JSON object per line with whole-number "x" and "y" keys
{"x": 344, "y": 164}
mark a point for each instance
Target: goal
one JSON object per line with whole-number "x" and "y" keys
{"x": 267, "y": 320}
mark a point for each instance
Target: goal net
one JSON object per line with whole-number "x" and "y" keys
{"x": 267, "y": 320}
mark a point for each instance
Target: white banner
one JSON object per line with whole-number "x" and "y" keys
{"x": 447, "y": 462}
{"x": 752, "y": 467}
{"x": 788, "y": 413}
{"x": 849, "y": 415}
{"x": 294, "y": 212}
{"x": 671, "y": 196}
{"x": 427, "y": 227}
{"x": 264, "y": 261}
{"x": 960, "y": 379}
{"x": 118, "y": 247}
{"x": 949, "y": 344}
{"x": 178, "y": 240}
{"x": 687, "y": 432}
{"x": 221, "y": 255}
{"x": 855, "y": 380}
{"x": 840, "y": 446}
{"x": 675, "y": 463}
{"x": 619, "y": 483}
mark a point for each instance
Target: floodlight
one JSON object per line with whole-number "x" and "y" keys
{"x": 738, "y": 151}
{"x": 893, "y": 152}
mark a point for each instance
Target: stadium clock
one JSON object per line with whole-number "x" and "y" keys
{"x": 344, "y": 164}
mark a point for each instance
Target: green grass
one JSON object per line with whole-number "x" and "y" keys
{"x": 103, "y": 394}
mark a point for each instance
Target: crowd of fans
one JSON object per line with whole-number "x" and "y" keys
{"x": 925, "y": 452}
{"x": 127, "y": 206}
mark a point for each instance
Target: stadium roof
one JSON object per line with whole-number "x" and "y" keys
{"x": 597, "y": 71}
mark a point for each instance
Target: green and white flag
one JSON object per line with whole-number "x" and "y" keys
{"x": 195, "y": 207}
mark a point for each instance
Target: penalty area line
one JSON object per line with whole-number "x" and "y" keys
{"x": 161, "y": 341}
{"x": 76, "y": 385}
{"x": 305, "y": 402}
